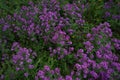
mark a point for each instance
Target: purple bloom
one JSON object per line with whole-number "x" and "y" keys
{"x": 17, "y": 69}
{"x": 104, "y": 65}
{"x": 68, "y": 77}
{"x": 110, "y": 71}
{"x": 23, "y": 58}
{"x": 29, "y": 60}
{"x": 98, "y": 54}
{"x": 57, "y": 70}
{"x": 94, "y": 74}
{"x": 5, "y": 27}
{"x": 26, "y": 74}
{"x": 86, "y": 71}
{"x": 89, "y": 35}
{"x": 15, "y": 45}
{"x": 117, "y": 65}
{"x": 70, "y": 31}
{"x": 80, "y": 51}
{"x": 2, "y": 77}
{"x": 84, "y": 75}
{"x": 107, "y": 14}
{"x": 52, "y": 72}
{"x": 71, "y": 48}
{"x": 78, "y": 66}
{"x": 62, "y": 42}
{"x": 69, "y": 42}
{"x": 65, "y": 52}
{"x": 40, "y": 73}
{"x": 77, "y": 79}
{"x": 46, "y": 68}
{"x": 88, "y": 46}
{"x": 31, "y": 66}
{"x": 116, "y": 17}
{"x": 108, "y": 5}
{"x": 103, "y": 76}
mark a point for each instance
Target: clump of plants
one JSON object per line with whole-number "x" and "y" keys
{"x": 53, "y": 41}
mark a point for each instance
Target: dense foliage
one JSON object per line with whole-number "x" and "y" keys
{"x": 60, "y": 40}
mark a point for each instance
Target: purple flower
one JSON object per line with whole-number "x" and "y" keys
{"x": 69, "y": 42}
{"x": 67, "y": 37}
{"x": 62, "y": 42}
{"x": 2, "y": 77}
{"x": 47, "y": 68}
{"x": 15, "y": 45}
{"x": 88, "y": 43}
{"x": 57, "y": 70}
{"x": 107, "y": 14}
{"x": 104, "y": 65}
{"x": 80, "y": 51}
{"x": 98, "y": 54}
{"x": 77, "y": 78}
{"x": 86, "y": 71}
{"x": 5, "y": 27}
{"x": 23, "y": 58}
{"x": 31, "y": 66}
{"x": 89, "y": 35}
{"x": 68, "y": 77}
{"x": 116, "y": 17}
{"x": 84, "y": 75}
{"x": 17, "y": 69}
{"x": 71, "y": 48}
{"x": 78, "y": 66}
{"x": 55, "y": 37}
{"x": 65, "y": 52}
{"x": 110, "y": 71}
{"x": 107, "y": 5}
{"x": 103, "y": 76}
{"x": 52, "y": 72}
{"x": 40, "y": 73}
{"x": 94, "y": 74}
{"x": 117, "y": 65}
{"x": 29, "y": 60}
{"x": 88, "y": 46}
{"x": 70, "y": 31}
{"x": 26, "y": 74}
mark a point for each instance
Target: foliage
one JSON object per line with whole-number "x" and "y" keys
{"x": 59, "y": 40}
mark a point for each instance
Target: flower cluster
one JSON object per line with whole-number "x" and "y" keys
{"x": 75, "y": 12}
{"x": 49, "y": 33}
{"x": 88, "y": 46}
{"x": 98, "y": 36}
{"x": 48, "y": 74}
{"x": 101, "y": 61}
{"x": 116, "y": 43}
{"x": 49, "y": 22}
{"x": 108, "y": 14}
{"x": 23, "y": 58}
{"x": 61, "y": 39}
